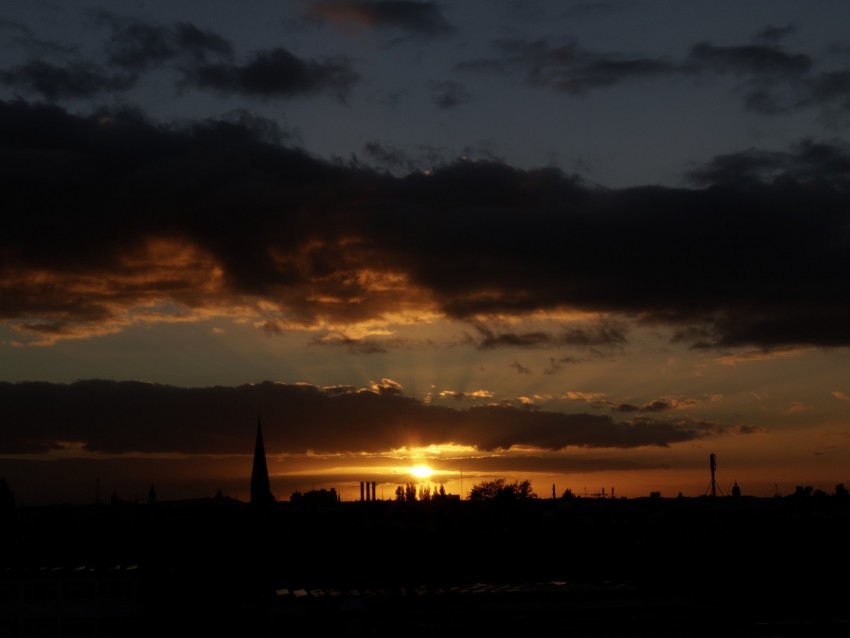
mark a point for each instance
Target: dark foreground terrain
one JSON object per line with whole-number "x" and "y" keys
{"x": 579, "y": 567}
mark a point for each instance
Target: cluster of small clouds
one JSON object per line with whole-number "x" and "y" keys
{"x": 200, "y": 58}
{"x": 770, "y": 77}
{"x": 659, "y": 405}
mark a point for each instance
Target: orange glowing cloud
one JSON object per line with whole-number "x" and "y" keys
{"x": 475, "y": 394}
{"x": 331, "y": 284}
{"x": 169, "y": 279}
{"x": 162, "y": 279}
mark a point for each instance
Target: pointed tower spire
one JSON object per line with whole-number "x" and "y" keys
{"x": 261, "y": 493}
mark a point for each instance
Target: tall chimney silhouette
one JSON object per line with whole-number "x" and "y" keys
{"x": 261, "y": 493}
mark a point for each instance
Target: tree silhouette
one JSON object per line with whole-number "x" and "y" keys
{"x": 410, "y": 492}
{"x": 500, "y": 490}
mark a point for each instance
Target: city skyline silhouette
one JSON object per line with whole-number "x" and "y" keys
{"x": 648, "y": 566}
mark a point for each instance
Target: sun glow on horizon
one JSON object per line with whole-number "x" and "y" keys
{"x": 421, "y": 471}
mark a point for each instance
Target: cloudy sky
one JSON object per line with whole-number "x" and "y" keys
{"x": 581, "y": 243}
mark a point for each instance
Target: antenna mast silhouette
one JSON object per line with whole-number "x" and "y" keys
{"x": 712, "y": 487}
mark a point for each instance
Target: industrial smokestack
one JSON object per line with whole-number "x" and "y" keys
{"x": 361, "y": 491}
{"x": 374, "y": 491}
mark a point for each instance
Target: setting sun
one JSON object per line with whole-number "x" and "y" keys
{"x": 421, "y": 471}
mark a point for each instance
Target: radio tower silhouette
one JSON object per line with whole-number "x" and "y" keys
{"x": 712, "y": 487}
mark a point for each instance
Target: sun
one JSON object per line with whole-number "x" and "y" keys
{"x": 421, "y": 471}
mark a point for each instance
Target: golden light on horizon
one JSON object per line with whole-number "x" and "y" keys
{"x": 421, "y": 471}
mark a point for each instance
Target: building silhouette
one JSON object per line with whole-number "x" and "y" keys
{"x": 261, "y": 493}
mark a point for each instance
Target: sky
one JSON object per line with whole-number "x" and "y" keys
{"x": 585, "y": 244}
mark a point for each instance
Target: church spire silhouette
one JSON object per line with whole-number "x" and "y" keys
{"x": 261, "y": 493}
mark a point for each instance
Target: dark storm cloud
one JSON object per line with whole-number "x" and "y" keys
{"x": 490, "y": 339}
{"x": 421, "y": 18}
{"x": 654, "y": 406}
{"x": 606, "y": 334}
{"x": 206, "y": 60}
{"x": 749, "y": 59}
{"x": 110, "y": 214}
{"x": 768, "y": 78}
{"x": 807, "y": 161}
{"x": 548, "y": 430}
{"x": 119, "y": 417}
{"x": 136, "y": 45}
{"x": 200, "y": 43}
{"x": 389, "y": 156}
{"x": 773, "y": 81}
{"x": 625, "y": 407}
{"x": 200, "y": 58}
{"x": 371, "y": 345}
{"x": 21, "y": 36}
{"x": 657, "y": 405}
{"x": 69, "y": 80}
{"x": 420, "y": 158}
{"x": 569, "y": 68}
{"x": 275, "y": 73}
